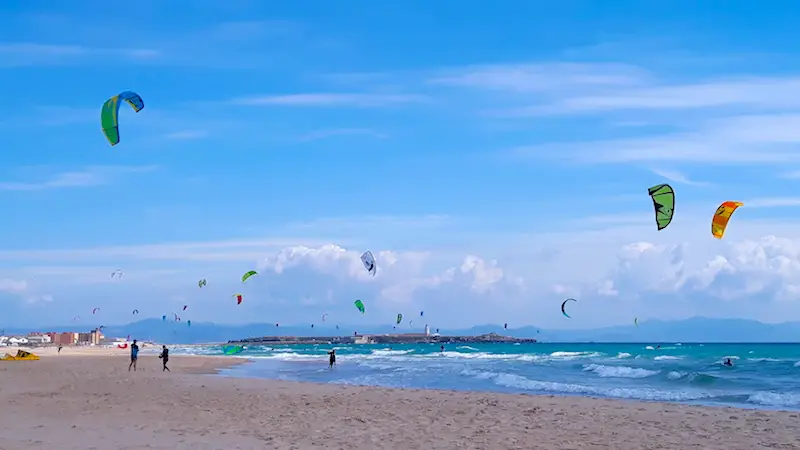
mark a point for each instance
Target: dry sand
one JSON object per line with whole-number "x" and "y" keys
{"x": 88, "y": 400}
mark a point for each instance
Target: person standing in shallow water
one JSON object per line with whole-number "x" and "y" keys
{"x": 134, "y": 356}
{"x": 332, "y": 359}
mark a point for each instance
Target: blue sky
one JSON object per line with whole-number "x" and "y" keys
{"x": 495, "y": 158}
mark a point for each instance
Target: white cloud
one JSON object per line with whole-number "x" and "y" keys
{"x": 187, "y": 135}
{"x": 545, "y": 77}
{"x": 328, "y": 133}
{"x": 616, "y": 274}
{"x": 16, "y": 54}
{"x": 677, "y": 177}
{"x": 90, "y": 176}
{"x": 761, "y": 139}
{"x": 358, "y": 100}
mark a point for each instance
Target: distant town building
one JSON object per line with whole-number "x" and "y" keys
{"x": 38, "y": 339}
{"x": 64, "y": 338}
{"x": 93, "y": 337}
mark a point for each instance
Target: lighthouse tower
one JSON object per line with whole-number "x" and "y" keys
{"x": 427, "y": 330}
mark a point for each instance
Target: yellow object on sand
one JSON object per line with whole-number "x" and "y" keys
{"x": 21, "y": 355}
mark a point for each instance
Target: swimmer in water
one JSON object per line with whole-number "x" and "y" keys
{"x": 728, "y": 362}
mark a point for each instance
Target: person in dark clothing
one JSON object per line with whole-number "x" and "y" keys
{"x": 332, "y": 359}
{"x": 134, "y": 356}
{"x": 728, "y": 363}
{"x": 164, "y": 358}
{"x": 59, "y": 348}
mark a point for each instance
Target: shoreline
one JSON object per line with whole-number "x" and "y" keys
{"x": 60, "y": 401}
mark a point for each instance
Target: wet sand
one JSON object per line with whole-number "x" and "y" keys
{"x": 87, "y": 399}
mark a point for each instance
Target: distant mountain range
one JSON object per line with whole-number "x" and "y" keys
{"x": 696, "y": 329}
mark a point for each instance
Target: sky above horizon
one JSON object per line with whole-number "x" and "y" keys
{"x": 494, "y": 157}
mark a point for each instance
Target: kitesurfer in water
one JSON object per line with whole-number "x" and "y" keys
{"x": 164, "y": 358}
{"x": 134, "y": 356}
{"x": 728, "y": 362}
{"x": 441, "y": 349}
{"x": 332, "y": 359}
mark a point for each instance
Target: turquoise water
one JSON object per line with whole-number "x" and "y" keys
{"x": 763, "y": 375}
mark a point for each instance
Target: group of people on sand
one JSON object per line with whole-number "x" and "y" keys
{"x": 164, "y": 357}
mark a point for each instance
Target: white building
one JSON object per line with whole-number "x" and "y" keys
{"x": 38, "y": 339}
{"x": 17, "y": 341}
{"x": 427, "y": 330}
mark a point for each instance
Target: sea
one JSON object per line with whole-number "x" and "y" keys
{"x": 765, "y": 376}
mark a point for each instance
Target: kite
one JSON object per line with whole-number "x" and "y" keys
{"x": 239, "y": 298}
{"x": 636, "y": 321}
{"x": 369, "y": 262}
{"x": 565, "y": 304}
{"x": 421, "y": 313}
{"x": 135, "y": 311}
{"x": 109, "y": 115}
{"x": 399, "y": 318}
{"x": 202, "y": 283}
{"x": 76, "y": 318}
{"x": 411, "y": 324}
{"x": 248, "y": 275}
{"x": 505, "y": 326}
{"x": 184, "y": 307}
{"x": 360, "y": 305}
{"x": 664, "y": 203}
{"x": 324, "y": 316}
{"x": 232, "y": 350}
{"x": 95, "y": 310}
{"x": 719, "y": 223}
{"x": 117, "y": 273}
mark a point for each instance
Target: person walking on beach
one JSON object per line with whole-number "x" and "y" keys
{"x": 59, "y": 348}
{"x": 134, "y": 356}
{"x": 164, "y": 358}
{"x": 332, "y": 359}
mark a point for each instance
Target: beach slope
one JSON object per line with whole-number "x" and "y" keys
{"x": 91, "y": 401}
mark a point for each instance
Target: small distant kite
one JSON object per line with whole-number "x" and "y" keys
{"x": 135, "y": 311}
{"x": 239, "y": 298}
{"x": 664, "y": 203}
{"x": 719, "y": 223}
{"x": 116, "y": 274}
{"x": 248, "y": 274}
{"x": 369, "y": 262}
{"x": 565, "y": 304}
{"x": 202, "y": 283}
{"x": 109, "y": 115}
{"x": 360, "y": 305}
{"x": 95, "y": 310}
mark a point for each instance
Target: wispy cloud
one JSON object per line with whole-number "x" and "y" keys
{"x": 536, "y": 78}
{"x": 91, "y": 176}
{"x": 322, "y": 134}
{"x": 775, "y": 93}
{"x": 16, "y": 54}
{"x": 765, "y": 139}
{"x": 772, "y": 202}
{"x": 187, "y": 135}
{"x": 230, "y": 250}
{"x": 332, "y": 99}
{"x": 678, "y": 177}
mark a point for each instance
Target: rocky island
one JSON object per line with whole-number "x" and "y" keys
{"x": 408, "y": 338}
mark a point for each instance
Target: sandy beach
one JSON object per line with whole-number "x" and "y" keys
{"x": 87, "y": 399}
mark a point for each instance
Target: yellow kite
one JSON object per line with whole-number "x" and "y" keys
{"x": 719, "y": 223}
